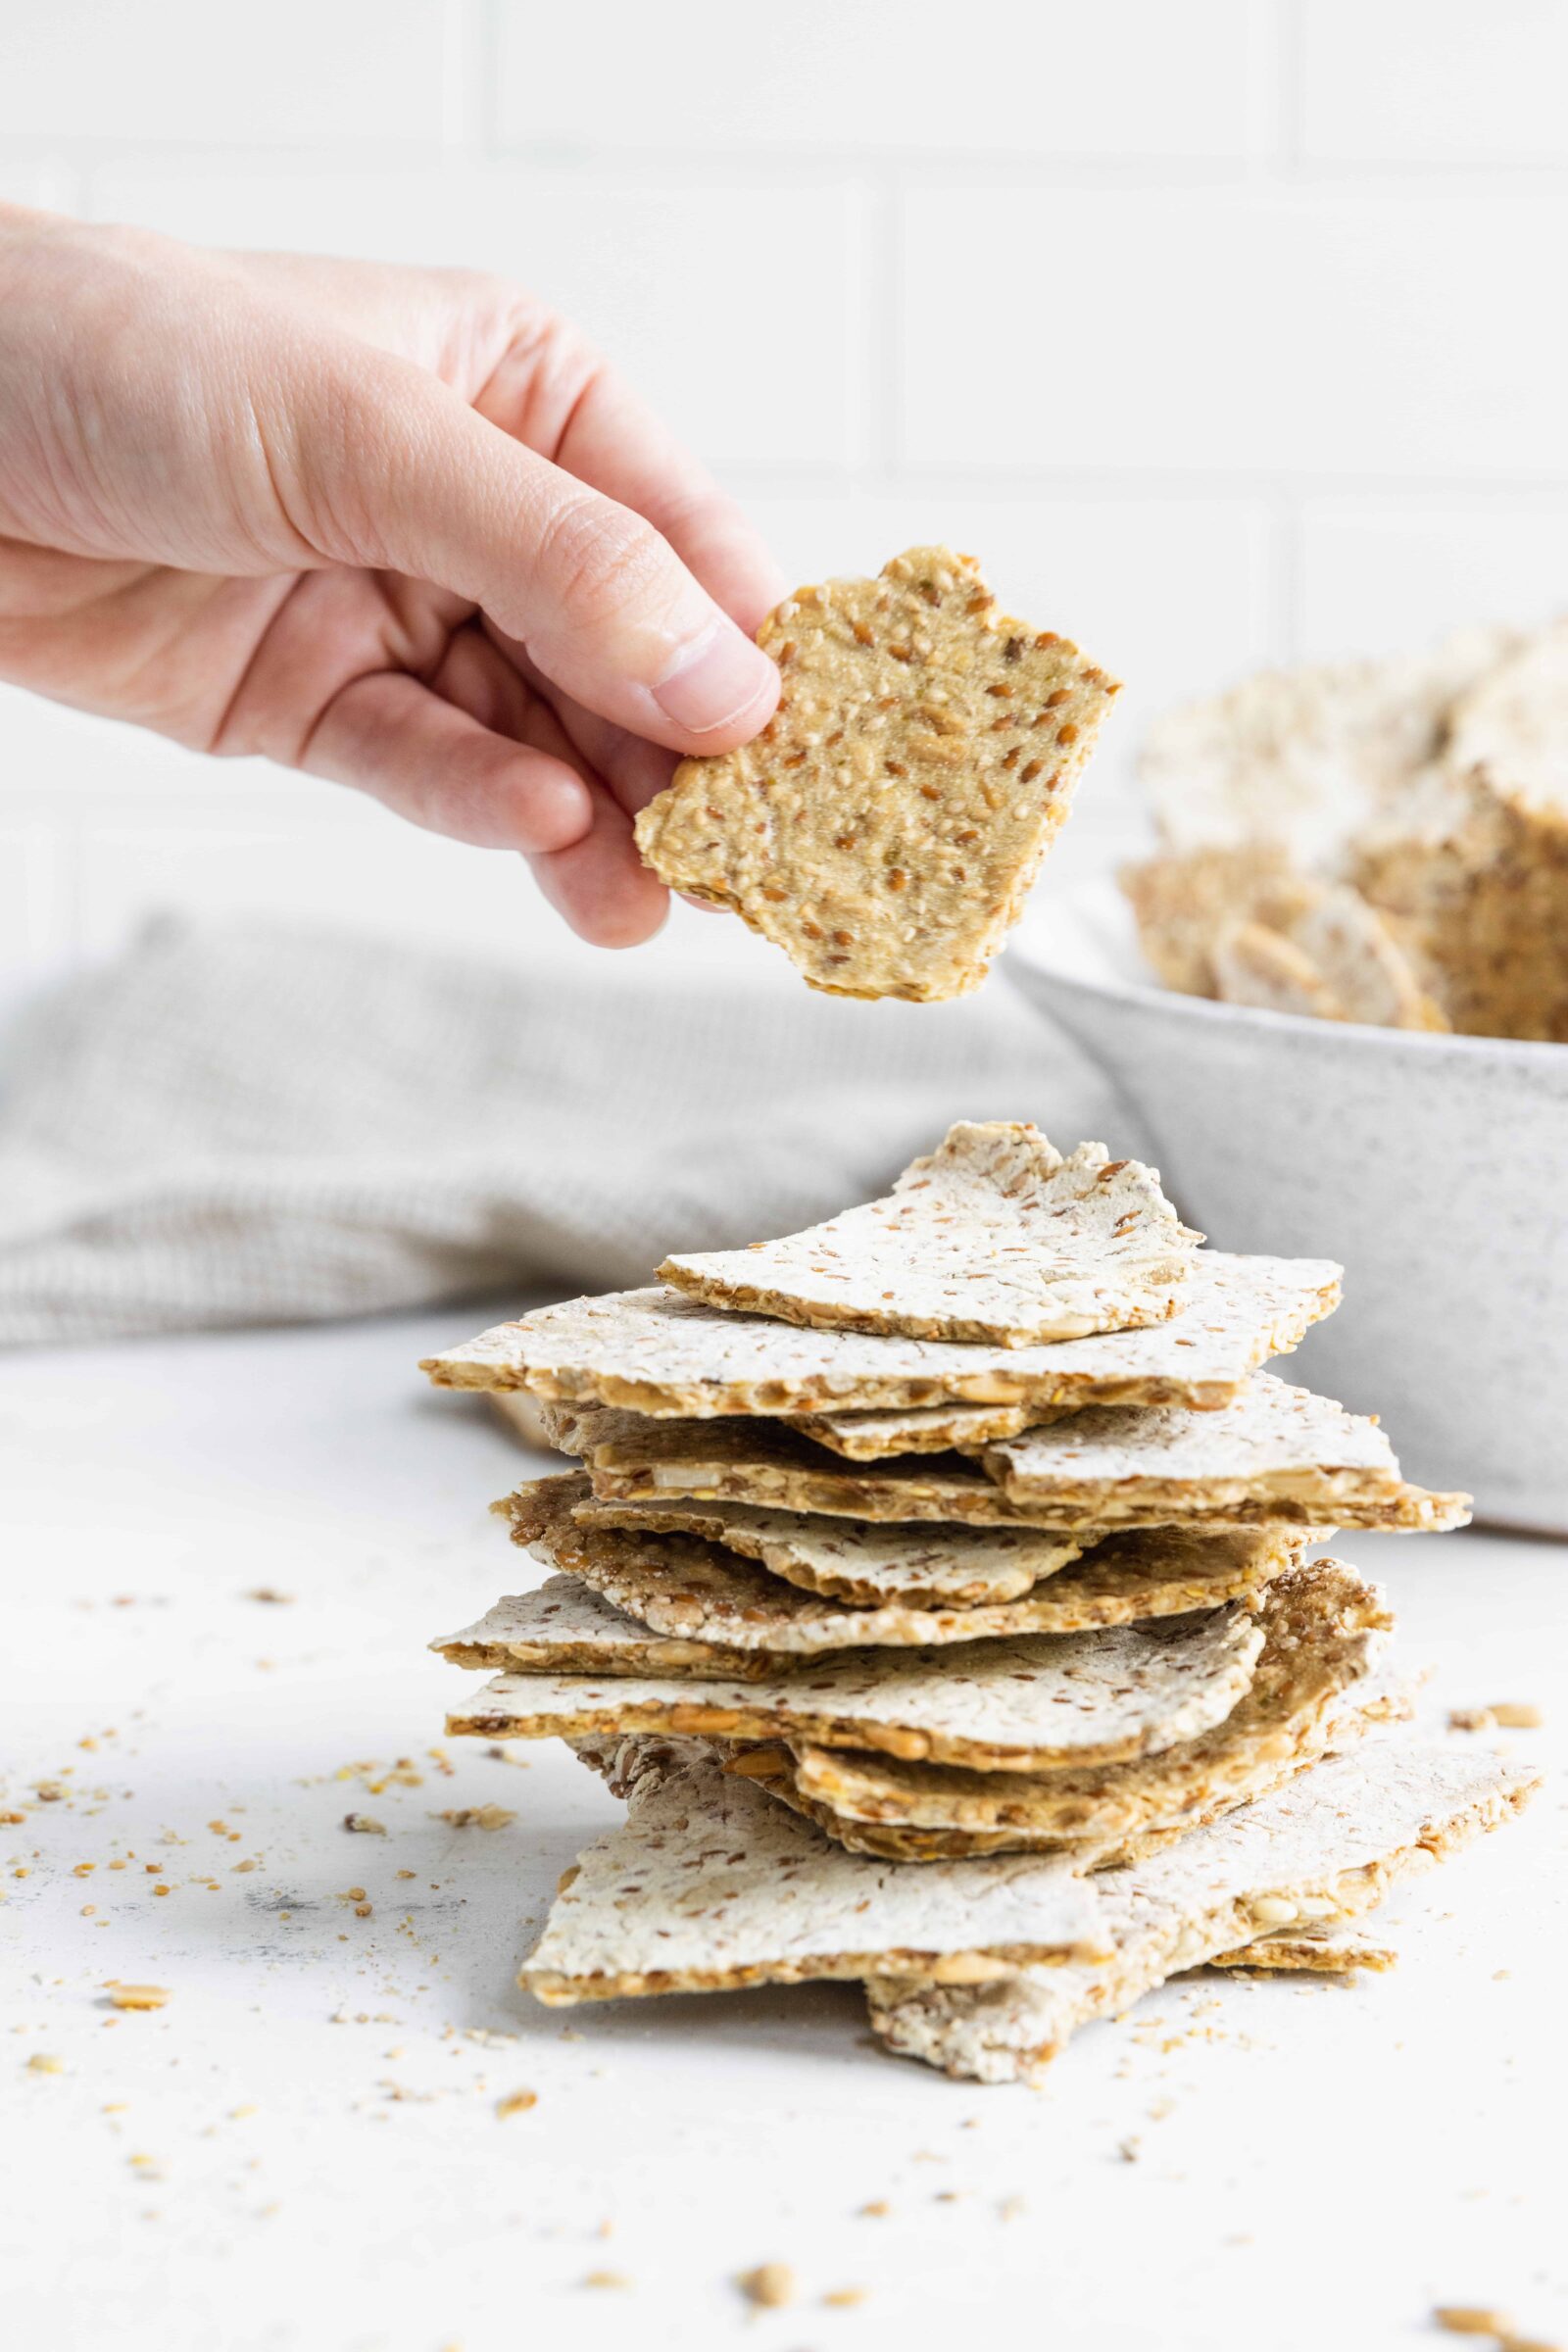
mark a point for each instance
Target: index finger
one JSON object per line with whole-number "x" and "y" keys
{"x": 616, "y": 445}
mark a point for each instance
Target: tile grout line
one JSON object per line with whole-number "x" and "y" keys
{"x": 1286, "y": 89}
{"x": 884, "y": 261}
{"x": 469, "y": 43}
{"x": 465, "y": 34}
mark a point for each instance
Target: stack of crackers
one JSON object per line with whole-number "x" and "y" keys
{"x": 935, "y": 1588}
{"x": 1383, "y": 842}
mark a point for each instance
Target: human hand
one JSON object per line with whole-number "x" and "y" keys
{"x": 398, "y": 527}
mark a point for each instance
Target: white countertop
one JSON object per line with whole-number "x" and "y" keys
{"x": 301, "y": 2148}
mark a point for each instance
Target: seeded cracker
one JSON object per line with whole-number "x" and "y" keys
{"x": 1027, "y": 1704}
{"x": 1273, "y": 1465}
{"x": 1262, "y": 969}
{"x": 887, "y": 825}
{"x": 1324, "y": 1629}
{"x": 657, "y": 1353}
{"x": 842, "y": 1560}
{"x": 1366, "y": 975}
{"x": 1319, "y": 1852}
{"x": 1278, "y": 1452}
{"x": 1340, "y": 1952}
{"x": 565, "y": 1627}
{"x": 682, "y": 1584}
{"x": 1123, "y": 1579}
{"x": 994, "y": 1236}
{"x": 684, "y": 1587}
{"x": 1514, "y": 724}
{"x": 1339, "y": 962}
{"x": 1309, "y": 1949}
{"x": 1243, "y": 925}
{"x": 708, "y": 1884}
{"x": 1311, "y": 757}
{"x": 1482, "y": 911}
{"x": 633, "y": 1459}
{"x": 1184, "y": 901}
{"x": 923, "y": 1429}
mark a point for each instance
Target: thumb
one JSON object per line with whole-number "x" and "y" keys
{"x": 396, "y": 471}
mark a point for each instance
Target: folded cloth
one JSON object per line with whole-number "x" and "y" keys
{"x": 269, "y": 1123}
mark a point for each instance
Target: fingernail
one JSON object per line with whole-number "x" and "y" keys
{"x": 715, "y": 682}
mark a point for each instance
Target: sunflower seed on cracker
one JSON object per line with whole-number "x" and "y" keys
{"x": 885, "y": 826}
{"x": 1030, "y": 1704}
{"x": 655, "y": 1352}
{"x": 846, "y": 1559}
{"x": 993, "y": 1236}
{"x": 1277, "y": 1452}
{"x": 1324, "y": 1629}
{"x": 1319, "y": 1852}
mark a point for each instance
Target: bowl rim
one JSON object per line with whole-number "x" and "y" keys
{"x": 1357, "y": 1037}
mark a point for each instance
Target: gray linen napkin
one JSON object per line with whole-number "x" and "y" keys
{"x": 269, "y": 1123}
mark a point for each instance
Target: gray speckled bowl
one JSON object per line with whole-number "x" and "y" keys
{"x": 1434, "y": 1169}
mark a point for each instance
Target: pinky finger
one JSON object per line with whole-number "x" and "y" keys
{"x": 432, "y": 764}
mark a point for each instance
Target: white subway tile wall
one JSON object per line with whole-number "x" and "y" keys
{"x": 42, "y": 181}
{"x": 915, "y": 78}
{"x": 659, "y": 269}
{"x": 185, "y": 73}
{"x": 1379, "y": 573}
{"x": 1432, "y": 81}
{"x": 1223, "y": 333}
{"x": 1281, "y": 332}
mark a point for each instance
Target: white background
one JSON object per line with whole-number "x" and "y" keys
{"x": 1221, "y": 331}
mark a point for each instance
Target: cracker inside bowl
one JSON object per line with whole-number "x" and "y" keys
{"x": 1431, "y": 1162}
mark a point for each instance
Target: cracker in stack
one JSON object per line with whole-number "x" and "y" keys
{"x": 934, "y": 1587}
{"x": 995, "y": 1237}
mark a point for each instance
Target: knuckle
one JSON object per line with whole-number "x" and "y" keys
{"x": 701, "y": 506}
{"x": 550, "y": 373}
{"x": 484, "y": 294}
{"x": 474, "y": 285}
{"x": 602, "y": 560}
{"x": 556, "y": 345}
